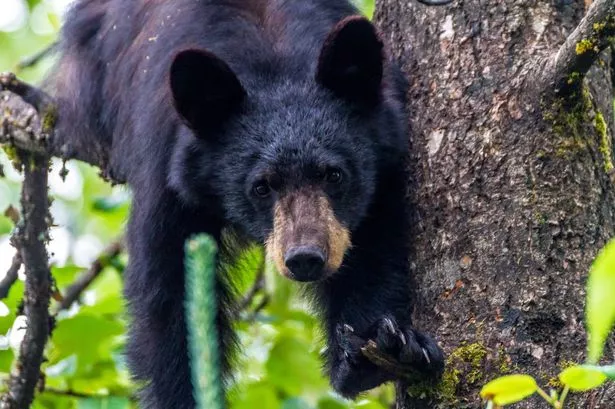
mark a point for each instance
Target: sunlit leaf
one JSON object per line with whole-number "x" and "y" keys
{"x": 111, "y": 203}
{"x": 65, "y": 275}
{"x": 303, "y": 374}
{"x": 87, "y": 336}
{"x": 255, "y": 395}
{"x": 12, "y": 302}
{"x": 608, "y": 370}
{"x": 600, "y": 304}
{"x": 331, "y": 403}
{"x": 509, "y": 389}
{"x": 104, "y": 403}
{"x": 6, "y": 359}
{"x": 368, "y": 404}
{"x": 295, "y": 403}
{"x": 6, "y": 225}
{"x": 582, "y": 378}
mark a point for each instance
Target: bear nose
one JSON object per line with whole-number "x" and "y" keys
{"x": 305, "y": 263}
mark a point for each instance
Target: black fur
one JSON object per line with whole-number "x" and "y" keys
{"x": 252, "y": 92}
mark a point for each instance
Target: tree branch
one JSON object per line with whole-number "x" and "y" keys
{"x": 22, "y": 107}
{"x": 31, "y": 238}
{"x": 10, "y": 277}
{"x": 74, "y": 291}
{"x": 36, "y": 58}
{"x": 565, "y": 70}
{"x": 27, "y": 121}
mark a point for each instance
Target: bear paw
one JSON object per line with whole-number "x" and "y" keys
{"x": 405, "y": 345}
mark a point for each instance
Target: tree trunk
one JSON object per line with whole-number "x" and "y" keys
{"x": 512, "y": 189}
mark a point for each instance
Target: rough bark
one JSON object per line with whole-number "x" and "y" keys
{"x": 512, "y": 189}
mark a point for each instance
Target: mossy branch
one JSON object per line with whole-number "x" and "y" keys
{"x": 30, "y": 238}
{"x": 28, "y": 117}
{"x": 566, "y": 69}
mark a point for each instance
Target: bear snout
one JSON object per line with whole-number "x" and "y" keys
{"x": 305, "y": 263}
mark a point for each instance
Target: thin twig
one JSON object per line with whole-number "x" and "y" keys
{"x": 36, "y": 58}
{"x": 74, "y": 291}
{"x": 390, "y": 364}
{"x": 257, "y": 286}
{"x": 10, "y": 277}
{"x": 566, "y": 69}
{"x": 74, "y": 394}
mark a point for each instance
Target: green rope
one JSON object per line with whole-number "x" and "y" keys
{"x": 201, "y": 309}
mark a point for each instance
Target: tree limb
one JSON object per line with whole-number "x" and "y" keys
{"x": 74, "y": 291}
{"x": 565, "y": 70}
{"x": 10, "y": 277}
{"x": 27, "y": 121}
{"x": 31, "y": 238}
{"x": 22, "y": 107}
{"x": 36, "y": 58}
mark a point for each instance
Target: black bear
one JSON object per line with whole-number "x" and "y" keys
{"x": 275, "y": 121}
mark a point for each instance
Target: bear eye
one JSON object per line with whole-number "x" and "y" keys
{"x": 333, "y": 176}
{"x": 261, "y": 188}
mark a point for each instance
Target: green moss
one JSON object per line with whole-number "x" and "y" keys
{"x": 605, "y": 144}
{"x": 463, "y": 365}
{"x": 574, "y": 77}
{"x": 503, "y": 361}
{"x": 569, "y": 123}
{"x": 11, "y": 153}
{"x": 49, "y": 119}
{"x": 13, "y": 156}
{"x": 598, "y": 27}
{"x": 584, "y": 46}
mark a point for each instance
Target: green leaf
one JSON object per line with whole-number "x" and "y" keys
{"x": 582, "y": 377}
{"x": 255, "y": 395}
{"x": 331, "y": 403}
{"x": 509, "y": 389}
{"x": 111, "y": 203}
{"x": 304, "y": 372}
{"x": 600, "y": 304}
{"x": 104, "y": 403}
{"x": 6, "y": 359}
{"x": 12, "y": 302}
{"x": 66, "y": 275}
{"x": 295, "y": 403}
{"x": 87, "y": 336}
{"x": 368, "y": 404}
{"x": 107, "y": 291}
{"x": 6, "y": 225}
{"x": 608, "y": 370}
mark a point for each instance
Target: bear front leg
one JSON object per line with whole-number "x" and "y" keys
{"x": 369, "y": 298}
{"x": 154, "y": 287}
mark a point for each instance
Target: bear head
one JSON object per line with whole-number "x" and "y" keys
{"x": 290, "y": 160}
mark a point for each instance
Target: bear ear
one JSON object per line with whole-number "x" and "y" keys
{"x": 205, "y": 90}
{"x": 351, "y": 61}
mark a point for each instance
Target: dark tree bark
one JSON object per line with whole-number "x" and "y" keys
{"x": 512, "y": 190}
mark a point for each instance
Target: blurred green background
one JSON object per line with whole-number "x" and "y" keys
{"x": 279, "y": 365}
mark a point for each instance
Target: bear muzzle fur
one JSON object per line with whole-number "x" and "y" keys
{"x": 308, "y": 242}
